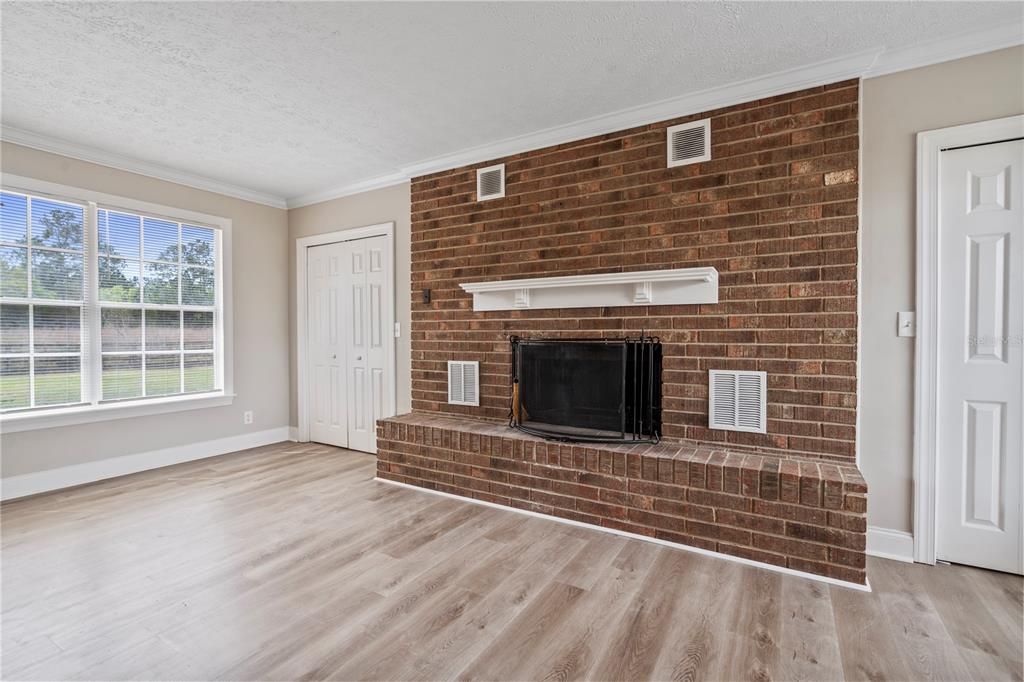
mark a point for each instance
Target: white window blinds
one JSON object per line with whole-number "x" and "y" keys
{"x": 41, "y": 301}
{"x": 101, "y": 304}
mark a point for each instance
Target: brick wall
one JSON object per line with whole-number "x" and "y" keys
{"x": 775, "y": 211}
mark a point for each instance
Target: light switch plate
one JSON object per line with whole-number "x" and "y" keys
{"x": 906, "y": 324}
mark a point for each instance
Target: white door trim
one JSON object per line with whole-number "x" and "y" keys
{"x": 926, "y": 404}
{"x": 302, "y": 244}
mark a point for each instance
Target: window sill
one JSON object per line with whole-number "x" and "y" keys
{"x": 69, "y": 416}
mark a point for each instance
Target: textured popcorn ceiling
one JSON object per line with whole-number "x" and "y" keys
{"x": 290, "y": 98}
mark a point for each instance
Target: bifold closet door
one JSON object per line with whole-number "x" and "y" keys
{"x": 348, "y": 318}
{"x": 981, "y": 356}
{"x": 369, "y": 321}
{"x": 327, "y": 292}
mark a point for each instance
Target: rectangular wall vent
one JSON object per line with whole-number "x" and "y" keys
{"x": 689, "y": 143}
{"x": 463, "y": 382}
{"x": 490, "y": 182}
{"x": 738, "y": 400}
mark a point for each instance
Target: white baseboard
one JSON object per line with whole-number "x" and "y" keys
{"x": 636, "y": 536}
{"x": 293, "y": 433}
{"x": 891, "y": 544}
{"x": 77, "y": 474}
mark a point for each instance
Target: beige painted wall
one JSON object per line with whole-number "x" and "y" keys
{"x": 260, "y": 303}
{"x": 895, "y": 109}
{"x": 390, "y": 204}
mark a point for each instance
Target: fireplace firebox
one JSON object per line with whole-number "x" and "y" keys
{"x": 587, "y": 390}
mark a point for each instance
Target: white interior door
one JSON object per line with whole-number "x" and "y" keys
{"x": 350, "y": 316}
{"x": 369, "y": 322}
{"x": 981, "y": 370}
{"x": 326, "y": 290}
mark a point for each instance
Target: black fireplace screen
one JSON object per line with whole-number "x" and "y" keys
{"x": 588, "y": 390}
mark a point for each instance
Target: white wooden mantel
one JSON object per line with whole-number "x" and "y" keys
{"x": 649, "y": 287}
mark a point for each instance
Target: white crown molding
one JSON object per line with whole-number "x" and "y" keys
{"x": 54, "y": 145}
{"x": 947, "y": 49}
{"x": 340, "y": 191}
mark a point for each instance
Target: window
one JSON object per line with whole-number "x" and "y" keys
{"x": 104, "y": 305}
{"x": 41, "y": 284}
{"x": 156, "y": 301}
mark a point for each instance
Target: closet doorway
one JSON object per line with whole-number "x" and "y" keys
{"x": 346, "y": 345}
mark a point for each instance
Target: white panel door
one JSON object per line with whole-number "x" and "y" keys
{"x": 380, "y": 325}
{"x": 369, "y": 322}
{"x": 326, "y": 290}
{"x": 350, "y": 316}
{"x": 981, "y": 359}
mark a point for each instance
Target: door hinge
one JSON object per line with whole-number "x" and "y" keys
{"x": 398, "y": 329}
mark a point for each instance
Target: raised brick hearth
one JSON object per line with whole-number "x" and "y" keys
{"x": 802, "y": 513}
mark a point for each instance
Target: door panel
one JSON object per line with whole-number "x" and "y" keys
{"x": 378, "y": 389}
{"x": 376, "y": 333}
{"x": 380, "y": 321}
{"x": 988, "y": 281}
{"x": 360, "y": 435}
{"x": 983, "y": 459}
{"x": 981, "y": 359}
{"x": 325, "y": 286}
{"x": 359, "y": 401}
{"x": 370, "y": 320}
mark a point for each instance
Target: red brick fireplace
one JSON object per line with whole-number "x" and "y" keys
{"x": 775, "y": 212}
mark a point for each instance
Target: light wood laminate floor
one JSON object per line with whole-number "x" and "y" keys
{"x": 290, "y": 562}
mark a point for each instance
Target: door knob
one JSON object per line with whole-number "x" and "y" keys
{"x": 334, "y": 357}
{"x": 359, "y": 357}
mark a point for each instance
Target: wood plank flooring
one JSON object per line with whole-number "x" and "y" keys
{"x": 290, "y": 562}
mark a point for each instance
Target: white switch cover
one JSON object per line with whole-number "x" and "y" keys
{"x": 906, "y": 324}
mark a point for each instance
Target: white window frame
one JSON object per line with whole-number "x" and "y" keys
{"x": 42, "y": 418}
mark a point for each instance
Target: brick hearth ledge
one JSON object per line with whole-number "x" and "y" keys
{"x": 803, "y": 513}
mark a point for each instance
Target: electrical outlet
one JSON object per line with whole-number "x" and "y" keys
{"x": 247, "y": 417}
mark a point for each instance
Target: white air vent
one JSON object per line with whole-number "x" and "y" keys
{"x": 490, "y": 182}
{"x": 463, "y": 382}
{"x": 689, "y": 143}
{"x": 738, "y": 400}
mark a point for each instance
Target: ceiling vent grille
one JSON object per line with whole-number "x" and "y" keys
{"x": 689, "y": 143}
{"x": 490, "y": 182}
{"x": 738, "y": 400}
{"x": 463, "y": 382}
